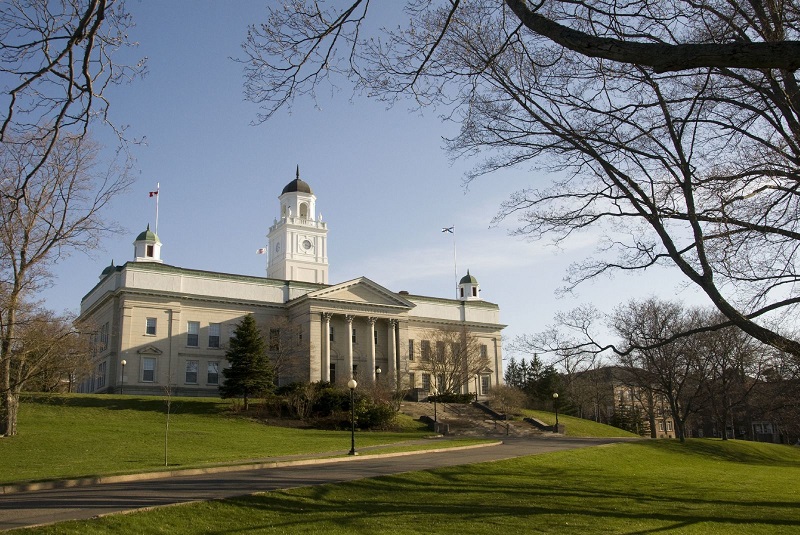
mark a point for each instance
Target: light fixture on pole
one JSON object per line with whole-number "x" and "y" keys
{"x": 352, "y": 384}
{"x": 435, "y": 395}
{"x": 377, "y": 373}
{"x": 555, "y": 406}
{"x": 122, "y": 383}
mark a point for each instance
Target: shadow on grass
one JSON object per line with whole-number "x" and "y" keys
{"x": 180, "y": 405}
{"x": 736, "y": 451}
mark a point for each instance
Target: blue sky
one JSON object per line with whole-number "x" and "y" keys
{"x": 383, "y": 182}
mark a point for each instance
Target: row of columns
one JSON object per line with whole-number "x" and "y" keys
{"x": 392, "y": 348}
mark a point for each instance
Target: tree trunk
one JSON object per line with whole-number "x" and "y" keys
{"x": 10, "y": 401}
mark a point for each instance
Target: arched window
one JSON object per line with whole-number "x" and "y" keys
{"x": 303, "y": 211}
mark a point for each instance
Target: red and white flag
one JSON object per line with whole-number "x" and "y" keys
{"x": 261, "y": 251}
{"x": 153, "y": 193}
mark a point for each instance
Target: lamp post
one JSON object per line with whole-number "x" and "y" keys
{"x": 555, "y": 406}
{"x": 435, "y": 396}
{"x": 352, "y": 384}
{"x": 122, "y": 384}
{"x": 377, "y": 374}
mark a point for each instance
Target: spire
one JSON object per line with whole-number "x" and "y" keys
{"x": 298, "y": 172}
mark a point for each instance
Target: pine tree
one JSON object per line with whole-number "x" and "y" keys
{"x": 250, "y": 373}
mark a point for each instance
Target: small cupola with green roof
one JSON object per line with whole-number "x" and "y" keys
{"x": 468, "y": 288}
{"x": 147, "y": 247}
{"x": 108, "y": 270}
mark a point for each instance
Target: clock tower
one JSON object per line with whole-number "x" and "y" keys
{"x": 298, "y": 239}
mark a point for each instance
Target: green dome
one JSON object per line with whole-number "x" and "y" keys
{"x": 109, "y": 269}
{"x": 147, "y": 235}
{"x": 468, "y": 279}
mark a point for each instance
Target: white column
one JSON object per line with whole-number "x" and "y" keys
{"x": 326, "y": 344}
{"x": 371, "y": 363}
{"x": 349, "y": 371}
{"x": 392, "y": 353}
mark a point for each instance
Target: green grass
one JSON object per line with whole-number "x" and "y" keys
{"x": 578, "y": 427}
{"x": 66, "y": 436}
{"x": 703, "y": 486}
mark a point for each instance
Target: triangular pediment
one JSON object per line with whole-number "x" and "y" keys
{"x": 149, "y": 350}
{"x": 361, "y": 291}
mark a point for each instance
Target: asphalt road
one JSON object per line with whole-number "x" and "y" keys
{"x": 46, "y": 506}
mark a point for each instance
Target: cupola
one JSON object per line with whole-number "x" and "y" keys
{"x": 468, "y": 288}
{"x": 147, "y": 247}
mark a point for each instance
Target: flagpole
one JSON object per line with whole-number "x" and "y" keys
{"x": 455, "y": 262}
{"x": 158, "y": 187}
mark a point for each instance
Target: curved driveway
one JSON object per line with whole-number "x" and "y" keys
{"x": 55, "y": 505}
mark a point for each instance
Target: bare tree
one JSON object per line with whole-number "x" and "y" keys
{"x": 45, "y": 214}
{"x": 678, "y": 370}
{"x": 672, "y": 128}
{"x": 49, "y": 353}
{"x": 285, "y": 346}
{"x": 56, "y": 64}
{"x": 454, "y": 358}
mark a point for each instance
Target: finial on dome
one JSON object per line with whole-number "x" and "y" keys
{"x": 298, "y": 171}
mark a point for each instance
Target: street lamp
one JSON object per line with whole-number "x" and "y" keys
{"x": 555, "y": 406}
{"x": 377, "y": 373}
{"x": 122, "y": 384}
{"x": 352, "y": 384}
{"x": 435, "y": 395}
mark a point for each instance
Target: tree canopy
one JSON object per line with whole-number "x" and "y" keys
{"x": 671, "y": 129}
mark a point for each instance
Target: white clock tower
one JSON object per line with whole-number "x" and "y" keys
{"x": 298, "y": 240}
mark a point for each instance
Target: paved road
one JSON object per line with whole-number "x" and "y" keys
{"x": 46, "y": 506}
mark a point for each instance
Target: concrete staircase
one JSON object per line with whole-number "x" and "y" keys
{"x": 466, "y": 420}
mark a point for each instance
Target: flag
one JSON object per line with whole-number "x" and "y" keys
{"x": 261, "y": 251}
{"x": 153, "y": 193}
{"x": 449, "y": 229}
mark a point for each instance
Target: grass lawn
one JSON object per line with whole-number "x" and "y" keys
{"x": 65, "y": 436}
{"x": 578, "y": 427}
{"x": 703, "y": 486}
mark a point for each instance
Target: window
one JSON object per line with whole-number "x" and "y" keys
{"x": 439, "y": 351}
{"x": 462, "y": 291}
{"x": 333, "y": 373}
{"x": 411, "y": 350}
{"x": 455, "y": 349}
{"x": 213, "y": 335}
{"x": 354, "y": 334}
{"x": 375, "y": 336}
{"x": 191, "y": 372}
{"x": 101, "y": 375}
{"x": 355, "y": 371}
{"x": 193, "y": 336}
{"x": 669, "y": 425}
{"x": 426, "y": 350}
{"x": 274, "y": 340}
{"x": 660, "y": 426}
{"x": 485, "y": 384}
{"x": 474, "y": 292}
{"x": 212, "y": 377}
{"x": 150, "y": 328}
{"x": 104, "y": 337}
{"x": 412, "y": 383}
{"x": 426, "y": 382}
{"x": 484, "y": 351}
{"x": 148, "y": 370}
{"x": 331, "y": 337}
{"x": 149, "y": 252}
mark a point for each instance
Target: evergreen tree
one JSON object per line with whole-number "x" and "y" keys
{"x": 250, "y": 373}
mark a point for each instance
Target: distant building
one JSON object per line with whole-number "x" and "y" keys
{"x": 170, "y": 325}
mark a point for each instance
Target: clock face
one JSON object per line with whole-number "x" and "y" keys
{"x": 307, "y": 245}
{"x": 277, "y": 247}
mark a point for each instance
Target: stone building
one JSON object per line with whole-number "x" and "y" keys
{"x": 160, "y": 327}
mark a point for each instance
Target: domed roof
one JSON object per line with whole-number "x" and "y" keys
{"x": 297, "y": 185}
{"x": 109, "y": 269}
{"x": 147, "y": 235}
{"x": 468, "y": 279}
